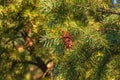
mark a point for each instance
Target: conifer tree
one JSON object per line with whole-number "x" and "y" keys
{"x": 62, "y": 39}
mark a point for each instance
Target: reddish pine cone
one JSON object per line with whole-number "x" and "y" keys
{"x": 67, "y": 40}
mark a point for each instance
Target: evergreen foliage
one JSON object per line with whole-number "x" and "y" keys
{"x": 31, "y": 33}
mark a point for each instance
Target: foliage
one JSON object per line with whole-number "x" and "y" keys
{"x": 31, "y": 33}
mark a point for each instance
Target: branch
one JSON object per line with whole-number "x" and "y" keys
{"x": 14, "y": 63}
{"x": 108, "y": 12}
{"x": 101, "y": 67}
{"x": 23, "y": 62}
{"x": 13, "y": 38}
{"x": 28, "y": 62}
{"x": 41, "y": 64}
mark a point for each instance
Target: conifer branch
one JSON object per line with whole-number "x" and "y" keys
{"x": 101, "y": 66}
{"x": 39, "y": 64}
{"x": 108, "y": 12}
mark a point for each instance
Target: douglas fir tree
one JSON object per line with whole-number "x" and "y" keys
{"x": 59, "y": 40}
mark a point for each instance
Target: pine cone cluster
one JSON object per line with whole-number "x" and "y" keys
{"x": 28, "y": 40}
{"x": 67, "y": 40}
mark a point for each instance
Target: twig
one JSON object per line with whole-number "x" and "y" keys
{"x": 45, "y": 73}
{"x": 108, "y": 12}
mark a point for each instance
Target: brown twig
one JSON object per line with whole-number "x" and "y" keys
{"x": 108, "y": 12}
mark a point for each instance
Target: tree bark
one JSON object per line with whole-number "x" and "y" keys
{"x": 41, "y": 64}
